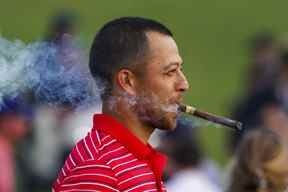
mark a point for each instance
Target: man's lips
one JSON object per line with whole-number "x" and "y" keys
{"x": 178, "y": 99}
{"x": 172, "y": 105}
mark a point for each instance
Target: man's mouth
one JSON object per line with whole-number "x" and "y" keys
{"x": 171, "y": 108}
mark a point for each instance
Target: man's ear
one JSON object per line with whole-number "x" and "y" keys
{"x": 126, "y": 81}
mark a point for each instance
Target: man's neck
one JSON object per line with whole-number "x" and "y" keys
{"x": 122, "y": 112}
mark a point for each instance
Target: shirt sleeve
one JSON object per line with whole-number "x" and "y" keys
{"x": 89, "y": 176}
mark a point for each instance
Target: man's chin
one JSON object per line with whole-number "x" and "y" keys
{"x": 162, "y": 120}
{"x": 172, "y": 127}
{"x": 173, "y": 121}
{"x": 169, "y": 124}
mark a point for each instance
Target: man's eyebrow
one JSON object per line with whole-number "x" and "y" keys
{"x": 166, "y": 67}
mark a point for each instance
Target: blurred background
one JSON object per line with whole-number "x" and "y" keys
{"x": 234, "y": 56}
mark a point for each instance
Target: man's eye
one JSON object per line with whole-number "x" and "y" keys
{"x": 171, "y": 72}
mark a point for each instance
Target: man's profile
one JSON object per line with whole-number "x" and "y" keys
{"x": 138, "y": 61}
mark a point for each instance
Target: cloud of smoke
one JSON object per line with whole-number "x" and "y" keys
{"x": 37, "y": 67}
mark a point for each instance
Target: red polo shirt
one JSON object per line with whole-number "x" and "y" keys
{"x": 111, "y": 158}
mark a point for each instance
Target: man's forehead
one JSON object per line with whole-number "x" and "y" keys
{"x": 163, "y": 47}
{"x": 154, "y": 38}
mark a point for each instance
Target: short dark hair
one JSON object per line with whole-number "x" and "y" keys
{"x": 121, "y": 43}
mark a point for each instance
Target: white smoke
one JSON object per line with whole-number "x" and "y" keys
{"x": 37, "y": 67}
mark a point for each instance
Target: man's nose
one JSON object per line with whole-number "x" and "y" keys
{"x": 182, "y": 84}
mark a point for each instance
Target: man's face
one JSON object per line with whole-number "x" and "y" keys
{"x": 163, "y": 83}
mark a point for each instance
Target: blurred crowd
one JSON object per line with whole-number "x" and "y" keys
{"x": 36, "y": 131}
{"x": 35, "y": 137}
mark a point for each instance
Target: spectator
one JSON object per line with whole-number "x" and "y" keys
{"x": 62, "y": 33}
{"x": 261, "y": 163}
{"x": 260, "y": 88}
{"x": 13, "y": 128}
{"x": 188, "y": 167}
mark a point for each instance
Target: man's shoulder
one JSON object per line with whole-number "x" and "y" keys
{"x": 96, "y": 147}
{"x": 87, "y": 175}
{"x": 83, "y": 163}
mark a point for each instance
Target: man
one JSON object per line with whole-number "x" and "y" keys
{"x": 138, "y": 62}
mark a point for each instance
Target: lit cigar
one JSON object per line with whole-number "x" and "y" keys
{"x": 210, "y": 117}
